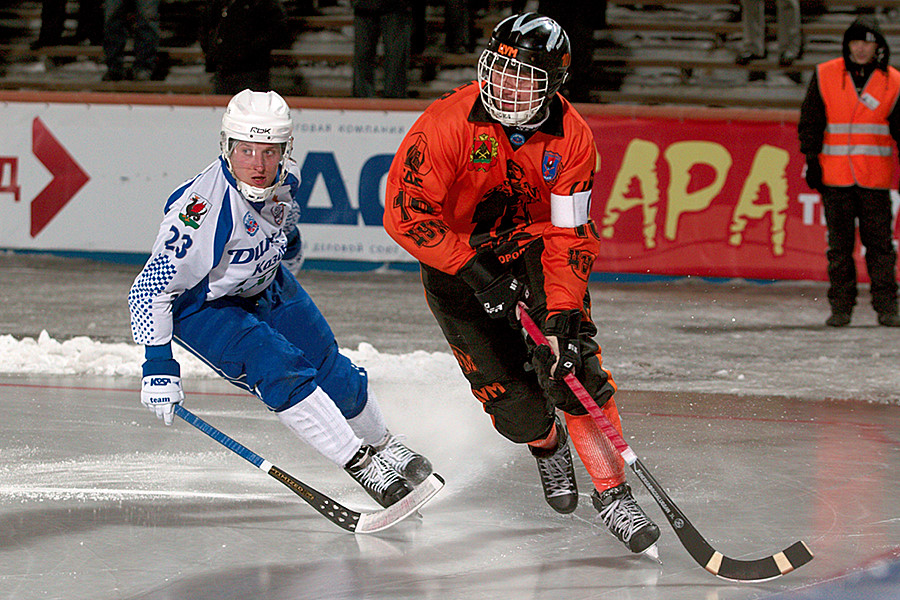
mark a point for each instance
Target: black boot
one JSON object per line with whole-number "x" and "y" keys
{"x": 412, "y": 465}
{"x": 625, "y": 519}
{"x": 558, "y": 473}
{"x": 838, "y": 319}
{"x": 377, "y": 477}
{"x": 889, "y": 319}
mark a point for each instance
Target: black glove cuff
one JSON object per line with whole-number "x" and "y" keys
{"x": 483, "y": 270}
{"x": 565, "y": 324}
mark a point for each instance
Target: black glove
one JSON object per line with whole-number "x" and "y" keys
{"x": 496, "y": 288}
{"x": 564, "y": 327}
{"x": 813, "y": 172}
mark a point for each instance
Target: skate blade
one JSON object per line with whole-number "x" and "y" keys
{"x": 653, "y": 552}
{"x": 406, "y": 506}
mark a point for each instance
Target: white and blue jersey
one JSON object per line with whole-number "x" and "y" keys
{"x": 212, "y": 243}
{"x": 215, "y": 284}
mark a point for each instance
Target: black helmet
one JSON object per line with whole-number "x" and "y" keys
{"x": 522, "y": 68}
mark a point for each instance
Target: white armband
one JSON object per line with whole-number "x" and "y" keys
{"x": 570, "y": 211}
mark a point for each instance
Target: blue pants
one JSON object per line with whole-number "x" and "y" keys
{"x": 276, "y": 345}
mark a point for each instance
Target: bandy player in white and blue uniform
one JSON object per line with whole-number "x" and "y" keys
{"x": 216, "y": 285}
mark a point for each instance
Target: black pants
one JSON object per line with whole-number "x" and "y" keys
{"x": 496, "y": 359}
{"x": 871, "y": 209}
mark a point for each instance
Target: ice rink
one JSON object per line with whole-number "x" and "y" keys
{"x": 764, "y": 427}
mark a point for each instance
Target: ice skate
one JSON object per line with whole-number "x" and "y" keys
{"x": 412, "y": 465}
{"x": 377, "y": 477}
{"x": 626, "y": 520}
{"x": 558, "y": 473}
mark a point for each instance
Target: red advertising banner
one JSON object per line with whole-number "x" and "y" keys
{"x": 710, "y": 198}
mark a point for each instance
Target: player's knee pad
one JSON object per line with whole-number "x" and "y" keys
{"x": 519, "y": 411}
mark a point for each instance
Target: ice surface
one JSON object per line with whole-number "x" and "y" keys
{"x": 723, "y": 393}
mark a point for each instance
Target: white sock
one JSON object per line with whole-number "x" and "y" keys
{"x": 319, "y": 423}
{"x": 369, "y": 424}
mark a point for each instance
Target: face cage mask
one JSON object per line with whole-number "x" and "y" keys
{"x": 507, "y": 81}
{"x": 250, "y": 192}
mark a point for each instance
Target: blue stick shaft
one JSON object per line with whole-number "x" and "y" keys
{"x": 217, "y": 435}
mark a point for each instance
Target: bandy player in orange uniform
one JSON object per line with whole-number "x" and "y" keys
{"x": 490, "y": 190}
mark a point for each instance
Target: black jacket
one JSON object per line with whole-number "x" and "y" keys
{"x": 239, "y": 35}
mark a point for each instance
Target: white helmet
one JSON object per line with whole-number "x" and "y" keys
{"x": 261, "y": 117}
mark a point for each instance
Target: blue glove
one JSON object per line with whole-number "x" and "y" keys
{"x": 161, "y": 384}
{"x": 293, "y": 252}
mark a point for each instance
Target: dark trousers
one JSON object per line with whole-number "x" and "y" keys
{"x": 496, "y": 360}
{"x": 118, "y": 14}
{"x": 871, "y": 210}
{"x": 395, "y": 31}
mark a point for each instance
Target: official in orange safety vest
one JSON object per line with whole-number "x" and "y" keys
{"x": 849, "y": 126}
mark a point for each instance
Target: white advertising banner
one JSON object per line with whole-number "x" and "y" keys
{"x": 92, "y": 178}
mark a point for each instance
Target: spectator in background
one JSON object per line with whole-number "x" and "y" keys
{"x": 457, "y": 26}
{"x": 117, "y": 14}
{"x": 90, "y": 22}
{"x": 238, "y": 53}
{"x": 579, "y": 18}
{"x": 789, "y": 38}
{"x": 392, "y": 22}
{"x": 53, "y": 20}
{"x": 849, "y": 124}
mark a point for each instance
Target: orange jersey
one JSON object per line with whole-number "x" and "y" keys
{"x": 459, "y": 184}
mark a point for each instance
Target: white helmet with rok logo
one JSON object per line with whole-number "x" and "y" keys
{"x": 523, "y": 66}
{"x": 260, "y": 117}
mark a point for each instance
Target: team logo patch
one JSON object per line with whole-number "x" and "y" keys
{"x": 250, "y": 224}
{"x": 484, "y": 153}
{"x": 517, "y": 139}
{"x": 428, "y": 234}
{"x": 194, "y": 213}
{"x": 581, "y": 263}
{"x": 551, "y": 166}
{"x": 278, "y": 213}
{"x": 417, "y": 155}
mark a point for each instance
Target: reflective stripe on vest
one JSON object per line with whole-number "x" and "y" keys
{"x": 857, "y": 147}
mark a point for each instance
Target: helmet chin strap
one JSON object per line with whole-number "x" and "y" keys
{"x": 255, "y": 194}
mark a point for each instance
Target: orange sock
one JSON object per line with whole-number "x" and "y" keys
{"x": 549, "y": 442}
{"x": 601, "y": 459}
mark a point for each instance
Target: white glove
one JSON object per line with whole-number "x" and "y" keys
{"x": 160, "y": 393}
